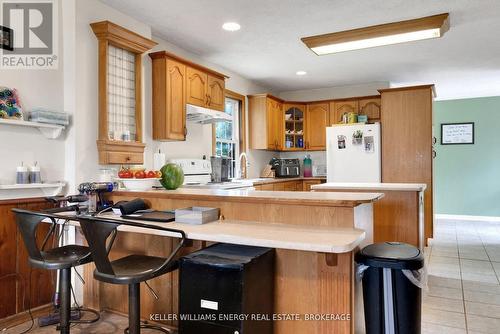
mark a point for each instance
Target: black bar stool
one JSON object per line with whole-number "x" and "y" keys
{"x": 59, "y": 258}
{"x": 131, "y": 269}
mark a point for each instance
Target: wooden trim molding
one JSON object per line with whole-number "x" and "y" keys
{"x": 121, "y": 37}
{"x": 243, "y": 120}
{"x": 243, "y": 117}
{"x": 24, "y": 316}
{"x": 162, "y": 54}
{"x": 398, "y": 89}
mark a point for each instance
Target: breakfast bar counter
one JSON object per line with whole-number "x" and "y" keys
{"x": 315, "y": 236}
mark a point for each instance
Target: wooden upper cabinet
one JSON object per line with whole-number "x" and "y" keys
{"x": 294, "y": 126}
{"x": 205, "y": 90}
{"x": 370, "y": 107}
{"x": 120, "y": 114}
{"x": 169, "y": 99}
{"x": 177, "y": 82}
{"x": 274, "y": 124}
{"x": 216, "y": 96}
{"x": 265, "y": 119}
{"x": 317, "y": 116}
{"x": 196, "y": 87}
{"x": 341, "y": 107}
{"x": 278, "y": 124}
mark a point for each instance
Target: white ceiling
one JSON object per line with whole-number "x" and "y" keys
{"x": 268, "y": 50}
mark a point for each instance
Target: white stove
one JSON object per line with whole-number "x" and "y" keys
{"x": 198, "y": 175}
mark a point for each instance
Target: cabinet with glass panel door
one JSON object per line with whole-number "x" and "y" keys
{"x": 294, "y": 126}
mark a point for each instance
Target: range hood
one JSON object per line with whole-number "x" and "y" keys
{"x": 200, "y": 115}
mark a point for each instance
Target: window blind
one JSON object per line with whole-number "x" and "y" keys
{"x": 121, "y": 94}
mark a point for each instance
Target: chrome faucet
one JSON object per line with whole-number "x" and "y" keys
{"x": 243, "y": 167}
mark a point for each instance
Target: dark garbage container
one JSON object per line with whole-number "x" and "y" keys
{"x": 393, "y": 275}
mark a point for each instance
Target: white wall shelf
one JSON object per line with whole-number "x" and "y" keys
{"x": 50, "y": 131}
{"x": 30, "y": 190}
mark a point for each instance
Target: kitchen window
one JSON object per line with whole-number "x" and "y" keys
{"x": 229, "y": 136}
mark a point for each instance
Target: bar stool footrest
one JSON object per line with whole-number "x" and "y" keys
{"x": 87, "y": 321}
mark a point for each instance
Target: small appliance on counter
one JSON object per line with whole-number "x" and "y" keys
{"x": 220, "y": 169}
{"x": 285, "y": 167}
{"x": 319, "y": 170}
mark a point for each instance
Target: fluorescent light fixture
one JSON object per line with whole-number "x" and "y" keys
{"x": 301, "y": 72}
{"x": 384, "y": 34}
{"x": 231, "y": 26}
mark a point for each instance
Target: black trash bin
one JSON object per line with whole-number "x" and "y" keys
{"x": 392, "y": 276}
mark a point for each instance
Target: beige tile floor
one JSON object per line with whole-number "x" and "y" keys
{"x": 463, "y": 295}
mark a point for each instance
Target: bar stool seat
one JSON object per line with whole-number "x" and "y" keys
{"x": 135, "y": 269}
{"x": 58, "y": 258}
{"x": 63, "y": 257}
{"x": 131, "y": 270}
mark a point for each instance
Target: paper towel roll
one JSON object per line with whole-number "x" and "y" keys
{"x": 158, "y": 161}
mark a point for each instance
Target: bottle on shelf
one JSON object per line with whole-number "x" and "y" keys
{"x": 307, "y": 166}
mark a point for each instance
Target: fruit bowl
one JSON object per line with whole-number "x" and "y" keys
{"x": 139, "y": 184}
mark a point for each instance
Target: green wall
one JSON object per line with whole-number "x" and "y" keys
{"x": 467, "y": 177}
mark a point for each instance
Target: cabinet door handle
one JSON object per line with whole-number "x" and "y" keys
{"x": 434, "y": 154}
{"x": 185, "y": 131}
{"x": 209, "y": 100}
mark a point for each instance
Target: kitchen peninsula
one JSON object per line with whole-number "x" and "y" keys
{"x": 315, "y": 235}
{"x": 399, "y": 216}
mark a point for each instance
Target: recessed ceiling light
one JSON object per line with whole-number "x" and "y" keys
{"x": 384, "y": 34}
{"x": 231, "y": 26}
{"x": 301, "y": 72}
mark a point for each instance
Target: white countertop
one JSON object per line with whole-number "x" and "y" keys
{"x": 282, "y": 236}
{"x": 370, "y": 186}
{"x": 348, "y": 199}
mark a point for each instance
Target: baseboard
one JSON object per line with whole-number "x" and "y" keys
{"x": 24, "y": 316}
{"x": 469, "y": 218}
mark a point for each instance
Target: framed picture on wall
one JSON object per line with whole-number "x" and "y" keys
{"x": 6, "y": 38}
{"x": 457, "y": 133}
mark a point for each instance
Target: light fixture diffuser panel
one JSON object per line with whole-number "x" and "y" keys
{"x": 385, "y": 34}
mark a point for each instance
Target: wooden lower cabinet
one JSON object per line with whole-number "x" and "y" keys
{"x": 15, "y": 270}
{"x": 307, "y": 184}
{"x": 295, "y": 185}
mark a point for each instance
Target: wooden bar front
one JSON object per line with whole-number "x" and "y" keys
{"x": 305, "y": 282}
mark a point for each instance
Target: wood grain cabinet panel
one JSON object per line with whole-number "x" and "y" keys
{"x": 317, "y": 116}
{"x": 370, "y": 107}
{"x": 265, "y": 117}
{"x": 8, "y": 246}
{"x": 14, "y": 266}
{"x": 279, "y": 118}
{"x": 216, "y": 93}
{"x": 341, "y": 107}
{"x": 196, "y": 87}
{"x": 407, "y": 141}
{"x": 169, "y": 99}
{"x": 307, "y": 184}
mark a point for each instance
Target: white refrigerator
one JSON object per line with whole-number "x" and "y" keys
{"x": 353, "y": 153}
